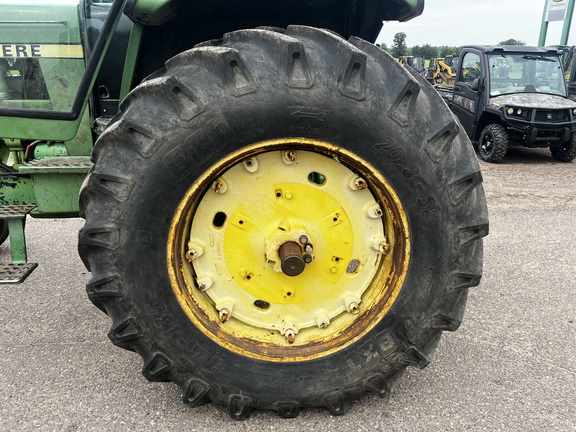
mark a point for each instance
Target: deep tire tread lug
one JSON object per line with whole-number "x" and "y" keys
{"x": 196, "y": 392}
{"x": 123, "y": 332}
{"x": 416, "y": 358}
{"x": 338, "y": 404}
{"x": 156, "y": 366}
{"x": 402, "y": 108}
{"x": 380, "y": 386}
{"x": 288, "y": 409}
{"x": 240, "y": 407}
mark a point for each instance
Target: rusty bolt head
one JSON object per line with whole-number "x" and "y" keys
{"x": 218, "y": 186}
{"x": 224, "y": 315}
{"x": 191, "y": 255}
{"x": 383, "y": 247}
{"x": 360, "y": 183}
{"x": 290, "y": 156}
{"x": 290, "y": 336}
{"x": 353, "y": 308}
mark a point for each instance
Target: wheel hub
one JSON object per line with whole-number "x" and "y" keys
{"x": 285, "y": 249}
{"x": 291, "y": 259}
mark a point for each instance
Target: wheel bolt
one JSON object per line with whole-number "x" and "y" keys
{"x": 219, "y": 186}
{"x": 191, "y": 255}
{"x": 360, "y": 183}
{"x": 290, "y": 336}
{"x": 224, "y": 315}
{"x": 383, "y": 247}
{"x": 289, "y": 156}
{"x": 303, "y": 239}
{"x": 353, "y": 308}
{"x": 308, "y": 248}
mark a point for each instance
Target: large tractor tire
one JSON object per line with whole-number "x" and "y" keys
{"x": 281, "y": 220}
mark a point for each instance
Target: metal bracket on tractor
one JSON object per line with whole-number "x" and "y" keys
{"x": 19, "y": 269}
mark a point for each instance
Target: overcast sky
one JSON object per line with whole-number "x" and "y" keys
{"x": 485, "y": 22}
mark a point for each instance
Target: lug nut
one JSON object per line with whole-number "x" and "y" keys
{"x": 353, "y": 308}
{"x": 360, "y": 183}
{"x": 289, "y": 156}
{"x": 191, "y": 255}
{"x": 219, "y": 186}
{"x": 290, "y": 336}
{"x": 224, "y": 315}
{"x": 383, "y": 247}
{"x": 309, "y": 248}
{"x": 303, "y": 239}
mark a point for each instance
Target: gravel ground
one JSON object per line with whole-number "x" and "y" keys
{"x": 510, "y": 367}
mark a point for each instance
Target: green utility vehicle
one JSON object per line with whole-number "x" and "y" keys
{"x": 508, "y": 96}
{"x": 278, "y": 214}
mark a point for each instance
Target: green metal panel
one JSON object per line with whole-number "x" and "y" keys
{"x": 82, "y": 143}
{"x": 16, "y": 190}
{"x": 57, "y": 182}
{"x": 48, "y": 36}
{"x": 64, "y": 124}
{"x": 44, "y": 129}
{"x": 54, "y": 22}
{"x": 131, "y": 59}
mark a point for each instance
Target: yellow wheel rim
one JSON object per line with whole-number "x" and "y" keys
{"x": 288, "y": 250}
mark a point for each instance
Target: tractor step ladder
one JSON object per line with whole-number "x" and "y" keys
{"x": 19, "y": 269}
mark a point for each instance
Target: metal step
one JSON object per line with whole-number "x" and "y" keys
{"x": 13, "y": 273}
{"x": 62, "y": 164}
{"x": 19, "y": 269}
{"x": 18, "y": 211}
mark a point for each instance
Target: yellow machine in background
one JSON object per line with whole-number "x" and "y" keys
{"x": 440, "y": 70}
{"x": 415, "y": 62}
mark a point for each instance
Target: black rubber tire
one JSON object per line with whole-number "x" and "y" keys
{"x": 3, "y": 231}
{"x": 566, "y": 152}
{"x": 357, "y": 97}
{"x": 493, "y": 143}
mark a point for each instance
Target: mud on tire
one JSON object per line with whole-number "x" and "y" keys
{"x": 303, "y": 96}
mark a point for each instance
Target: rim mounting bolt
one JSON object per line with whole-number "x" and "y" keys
{"x": 290, "y": 336}
{"x": 191, "y": 255}
{"x": 353, "y": 308}
{"x": 224, "y": 315}
{"x": 360, "y": 183}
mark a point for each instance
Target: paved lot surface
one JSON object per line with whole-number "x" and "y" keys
{"x": 510, "y": 367}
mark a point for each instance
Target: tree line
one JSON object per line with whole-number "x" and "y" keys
{"x": 399, "y": 48}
